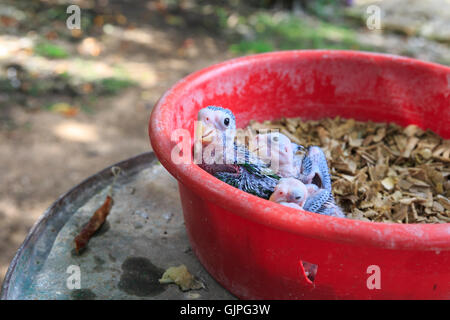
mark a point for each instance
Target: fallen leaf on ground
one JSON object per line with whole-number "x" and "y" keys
{"x": 181, "y": 277}
{"x": 96, "y": 221}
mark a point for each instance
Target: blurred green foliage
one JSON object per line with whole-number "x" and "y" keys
{"x": 113, "y": 85}
{"x": 268, "y": 32}
{"x": 251, "y": 46}
{"x": 50, "y": 50}
{"x": 325, "y": 9}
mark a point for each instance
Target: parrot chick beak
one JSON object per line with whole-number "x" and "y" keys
{"x": 204, "y": 133}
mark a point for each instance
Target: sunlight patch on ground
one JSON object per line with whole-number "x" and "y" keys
{"x": 77, "y": 132}
{"x": 11, "y": 210}
{"x": 3, "y": 270}
{"x": 137, "y": 35}
{"x": 10, "y": 45}
{"x": 8, "y": 208}
{"x": 141, "y": 36}
{"x": 143, "y": 73}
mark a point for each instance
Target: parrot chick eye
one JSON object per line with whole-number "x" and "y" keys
{"x": 226, "y": 121}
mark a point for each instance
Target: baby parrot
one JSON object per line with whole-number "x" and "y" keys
{"x": 306, "y": 182}
{"x": 227, "y": 160}
{"x": 290, "y": 192}
{"x": 278, "y": 150}
{"x": 311, "y": 169}
{"x": 293, "y": 193}
{"x": 314, "y": 170}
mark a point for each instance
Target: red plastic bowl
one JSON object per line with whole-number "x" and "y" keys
{"x": 254, "y": 247}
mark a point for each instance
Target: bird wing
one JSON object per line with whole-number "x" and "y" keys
{"x": 317, "y": 200}
{"x": 315, "y": 169}
{"x": 250, "y": 181}
{"x": 252, "y": 163}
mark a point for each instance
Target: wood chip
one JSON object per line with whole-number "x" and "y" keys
{"x": 410, "y": 145}
{"x": 388, "y": 183}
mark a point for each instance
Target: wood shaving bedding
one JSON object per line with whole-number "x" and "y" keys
{"x": 380, "y": 171}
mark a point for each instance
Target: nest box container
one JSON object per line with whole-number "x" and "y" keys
{"x": 261, "y": 250}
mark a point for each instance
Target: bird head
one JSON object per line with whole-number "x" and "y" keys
{"x": 215, "y": 124}
{"x": 267, "y": 145}
{"x": 290, "y": 190}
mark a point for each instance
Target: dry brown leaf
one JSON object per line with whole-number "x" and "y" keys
{"x": 181, "y": 277}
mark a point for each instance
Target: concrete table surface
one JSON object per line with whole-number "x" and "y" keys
{"x": 144, "y": 235}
